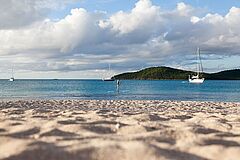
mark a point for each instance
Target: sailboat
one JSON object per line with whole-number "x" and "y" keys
{"x": 197, "y": 78}
{"x": 108, "y": 78}
{"x": 12, "y": 78}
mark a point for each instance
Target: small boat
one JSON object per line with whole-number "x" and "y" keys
{"x": 108, "y": 78}
{"x": 12, "y": 78}
{"x": 197, "y": 79}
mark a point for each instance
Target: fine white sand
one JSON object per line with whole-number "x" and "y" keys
{"x": 119, "y": 130}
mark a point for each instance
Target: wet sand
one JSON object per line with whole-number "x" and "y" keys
{"x": 119, "y": 130}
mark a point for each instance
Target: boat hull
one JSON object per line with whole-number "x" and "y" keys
{"x": 196, "y": 81}
{"x": 108, "y": 79}
{"x": 11, "y": 79}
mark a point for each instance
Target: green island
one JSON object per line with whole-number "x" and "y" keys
{"x": 167, "y": 73}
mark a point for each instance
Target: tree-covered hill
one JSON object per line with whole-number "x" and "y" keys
{"x": 165, "y": 73}
{"x": 225, "y": 75}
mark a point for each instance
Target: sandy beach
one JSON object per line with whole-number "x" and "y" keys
{"x": 119, "y": 130}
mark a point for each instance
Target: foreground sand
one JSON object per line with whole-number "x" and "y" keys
{"x": 119, "y": 130}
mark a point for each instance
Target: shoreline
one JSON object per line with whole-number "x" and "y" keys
{"x": 131, "y": 129}
{"x": 95, "y": 99}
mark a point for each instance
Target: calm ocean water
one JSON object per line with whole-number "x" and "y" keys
{"x": 129, "y": 89}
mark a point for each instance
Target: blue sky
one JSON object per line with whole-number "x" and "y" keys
{"x": 72, "y": 39}
{"x": 112, "y": 6}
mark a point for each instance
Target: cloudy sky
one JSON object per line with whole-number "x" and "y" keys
{"x": 80, "y": 38}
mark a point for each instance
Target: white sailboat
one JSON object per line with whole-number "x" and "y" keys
{"x": 108, "y": 78}
{"x": 197, "y": 78}
{"x": 12, "y": 78}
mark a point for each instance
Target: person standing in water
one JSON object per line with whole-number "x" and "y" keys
{"x": 118, "y": 84}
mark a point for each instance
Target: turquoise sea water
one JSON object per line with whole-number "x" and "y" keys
{"x": 129, "y": 89}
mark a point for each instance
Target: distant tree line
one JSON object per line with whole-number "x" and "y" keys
{"x": 167, "y": 73}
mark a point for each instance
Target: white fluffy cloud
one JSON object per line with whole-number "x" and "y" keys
{"x": 83, "y": 41}
{"x": 144, "y": 17}
{"x": 19, "y": 13}
{"x": 46, "y": 36}
{"x": 220, "y": 33}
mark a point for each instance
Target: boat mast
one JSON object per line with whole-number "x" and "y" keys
{"x": 12, "y": 72}
{"x": 109, "y": 66}
{"x": 198, "y": 66}
{"x": 200, "y": 60}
